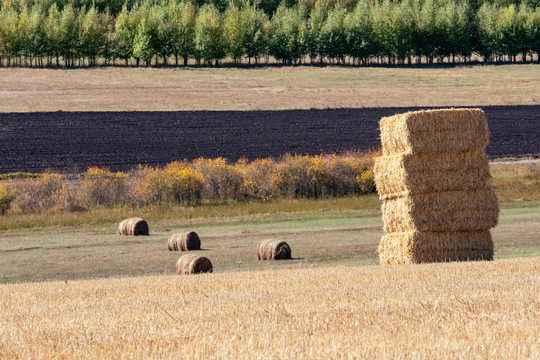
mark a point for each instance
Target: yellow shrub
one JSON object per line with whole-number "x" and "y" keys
{"x": 6, "y": 197}
{"x": 100, "y": 186}
{"x": 222, "y": 181}
{"x": 366, "y": 182}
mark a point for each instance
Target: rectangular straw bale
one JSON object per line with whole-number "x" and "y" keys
{"x": 404, "y": 174}
{"x": 432, "y": 131}
{"x": 421, "y": 247}
{"x": 442, "y": 211}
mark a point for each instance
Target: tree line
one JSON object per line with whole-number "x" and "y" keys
{"x": 176, "y": 32}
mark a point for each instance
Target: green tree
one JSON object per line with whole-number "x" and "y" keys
{"x": 68, "y": 35}
{"x": 532, "y": 31}
{"x": 359, "y": 30}
{"x": 288, "y": 33}
{"x": 488, "y": 33}
{"x": 234, "y": 33}
{"x": 256, "y": 32}
{"x": 125, "y": 31}
{"x": 427, "y": 33}
{"x": 333, "y": 36}
{"x": 315, "y": 24}
{"x": 93, "y": 35}
{"x": 37, "y": 34}
{"x": 52, "y": 29}
{"x": 403, "y": 28}
{"x": 144, "y": 43}
{"x": 210, "y": 42}
{"x": 186, "y": 30}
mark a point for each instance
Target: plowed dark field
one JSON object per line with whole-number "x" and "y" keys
{"x": 73, "y": 141}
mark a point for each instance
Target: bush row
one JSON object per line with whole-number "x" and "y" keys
{"x": 187, "y": 183}
{"x": 37, "y": 33}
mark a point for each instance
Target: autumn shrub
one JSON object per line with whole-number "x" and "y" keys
{"x": 6, "y": 197}
{"x": 50, "y": 191}
{"x": 257, "y": 175}
{"x": 366, "y": 182}
{"x": 183, "y": 182}
{"x": 222, "y": 181}
{"x": 291, "y": 178}
{"x": 336, "y": 175}
{"x": 101, "y": 187}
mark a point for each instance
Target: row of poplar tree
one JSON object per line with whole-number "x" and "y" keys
{"x": 41, "y": 33}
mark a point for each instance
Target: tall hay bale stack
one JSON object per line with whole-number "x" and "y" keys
{"x": 133, "y": 227}
{"x": 273, "y": 249}
{"x": 193, "y": 264}
{"x": 185, "y": 241}
{"x": 433, "y": 181}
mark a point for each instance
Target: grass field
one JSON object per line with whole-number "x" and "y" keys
{"x": 268, "y": 88}
{"x": 319, "y": 238}
{"x": 475, "y": 310}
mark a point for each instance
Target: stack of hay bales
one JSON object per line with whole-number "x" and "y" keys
{"x": 433, "y": 181}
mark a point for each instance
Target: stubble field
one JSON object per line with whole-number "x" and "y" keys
{"x": 479, "y": 310}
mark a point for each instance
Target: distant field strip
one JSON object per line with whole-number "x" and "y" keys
{"x": 266, "y": 88}
{"x": 74, "y": 141}
{"x": 486, "y": 310}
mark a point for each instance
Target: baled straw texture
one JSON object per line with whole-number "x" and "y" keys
{"x": 185, "y": 241}
{"x": 434, "y": 131}
{"x": 442, "y": 211}
{"x": 421, "y": 247}
{"x": 193, "y": 264}
{"x": 399, "y": 175}
{"x": 273, "y": 249}
{"x": 133, "y": 226}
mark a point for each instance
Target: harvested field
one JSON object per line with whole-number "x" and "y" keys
{"x": 483, "y": 310}
{"x": 74, "y": 141}
{"x": 266, "y": 88}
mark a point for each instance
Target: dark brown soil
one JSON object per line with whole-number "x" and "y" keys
{"x": 73, "y": 141}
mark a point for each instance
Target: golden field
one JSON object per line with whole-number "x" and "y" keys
{"x": 474, "y": 310}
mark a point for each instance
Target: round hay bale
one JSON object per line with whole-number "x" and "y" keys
{"x": 273, "y": 249}
{"x": 185, "y": 241}
{"x": 133, "y": 226}
{"x": 193, "y": 264}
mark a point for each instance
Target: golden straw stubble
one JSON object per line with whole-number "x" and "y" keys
{"x": 193, "y": 264}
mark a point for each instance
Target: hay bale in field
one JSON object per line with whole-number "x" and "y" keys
{"x": 434, "y": 131}
{"x": 433, "y": 181}
{"x": 404, "y": 174}
{"x": 441, "y": 211}
{"x": 133, "y": 226}
{"x": 185, "y": 241}
{"x": 421, "y": 247}
{"x": 272, "y": 249}
{"x": 193, "y": 264}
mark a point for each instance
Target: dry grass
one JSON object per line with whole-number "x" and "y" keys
{"x": 121, "y": 89}
{"x": 479, "y": 310}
